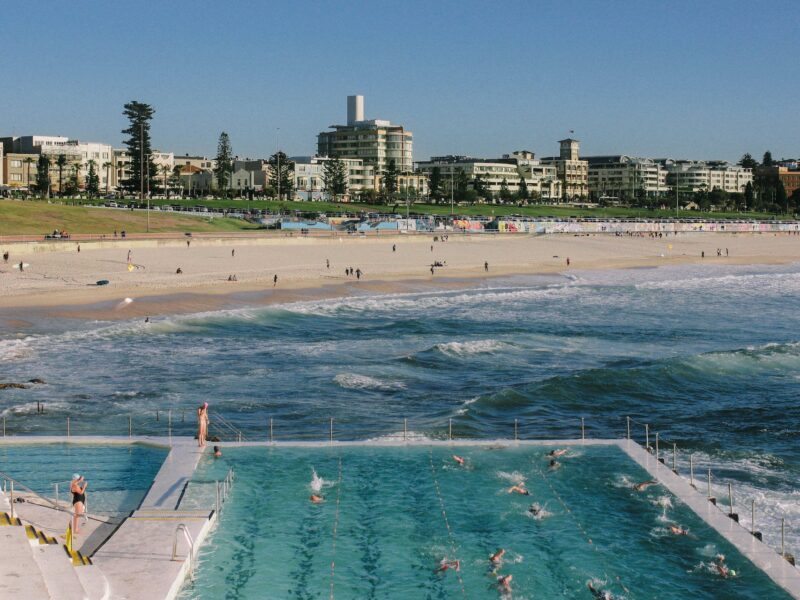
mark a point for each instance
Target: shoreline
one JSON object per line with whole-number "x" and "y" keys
{"x": 58, "y": 283}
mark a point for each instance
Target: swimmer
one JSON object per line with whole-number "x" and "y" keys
{"x": 678, "y": 530}
{"x": 448, "y": 564}
{"x": 721, "y": 568}
{"x": 519, "y": 489}
{"x": 458, "y": 459}
{"x": 504, "y": 582}
{"x": 554, "y": 464}
{"x": 497, "y": 557}
{"x": 217, "y": 452}
{"x": 316, "y": 499}
{"x": 599, "y": 594}
{"x": 640, "y": 487}
{"x": 557, "y": 453}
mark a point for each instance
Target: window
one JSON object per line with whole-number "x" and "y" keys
{"x": 15, "y": 176}
{"x": 16, "y": 163}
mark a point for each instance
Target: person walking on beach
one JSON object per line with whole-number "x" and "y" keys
{"x": 21, "y": 267}
{"x": 328, "y": 263}
{"x": 5, "y": 256}
{"x": 394, "y": 247}
{"x": 202, "y": 425}
{"x": 188, "y": 243}
{"x": 358, "y": 273}
{"x": 233, "y": 252}
{"x": 486, "y": 266}
{"x": 129, "y": 257}
{"x": 568, "y": 261}
{"x": 275, "y": 280}
{"x": 79, "y": 248}
{"x": 78, "y": 489}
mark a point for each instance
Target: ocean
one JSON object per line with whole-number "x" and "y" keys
{"x": 708, "y": 356}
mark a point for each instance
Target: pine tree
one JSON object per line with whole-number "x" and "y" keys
{"x": 281, "y": 173}
{"x": 224, "y": 158}
{"x": 767, "y": 160}
{"x": 435, "y": 183}
{"x": 522, "y": 192}
{"x": 92, "y": 180}
{"x": 747, "y": 161}
{"x": 780, "y": 197}
{"x": 505, "y": 193}
{"x": 138, "y": 144}
{"x": 334, "y": 176}
{"x": 390, "y": 179}
{"x": 61, "y": 162}
{"x": 43, "y": 176}
{"x": 749, "y": 196}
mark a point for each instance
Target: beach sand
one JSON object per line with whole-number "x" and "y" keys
{"x": 63, "y": 281}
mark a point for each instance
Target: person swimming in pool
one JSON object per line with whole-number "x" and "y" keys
{"x": 458, "y": 459}
{"x": 554, "y": 464}
{"x": 722, "y": 568}
{"x": 497, "y": 558}
{"x": 504, "y": 582}
{"x": 678, "y": 530}
{"x": 558, "y": 452}
{"x": 599, "y": 594}
{"x": 519, "y": 489}
{"x": 640, "y": 487}
{"x": 445, "y": 564}
{"x": 315, "y": 499}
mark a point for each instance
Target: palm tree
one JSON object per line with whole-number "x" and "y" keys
{"x": 165, "y": 171}
{"x": 61, "y": 162}
{"x": 28, "y": 162}
{"x": 107, "y": 166}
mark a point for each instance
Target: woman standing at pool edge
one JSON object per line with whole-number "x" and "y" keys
{"x": 78, "y": 500}
{"x": 202, "y": 424}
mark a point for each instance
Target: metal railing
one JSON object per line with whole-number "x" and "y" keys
{"x": 224, "y": 489}
{"x": 190, "y": 541}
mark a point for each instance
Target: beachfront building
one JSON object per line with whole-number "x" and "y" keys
{"x": 692, "y": 176}
{"x": 620, "y": 178}
{"x": 374, "y": 141}
{"x": 18, "y": 170}
{"x": 78, "y": 156}
{"x": 788, "y": 174}
{"x": 495, "y": 174}
{"x": 573, "y": 172}
{"x": 309, "y": 182}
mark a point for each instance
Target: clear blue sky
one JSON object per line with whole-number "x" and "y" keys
{"x": 699, "y": 79}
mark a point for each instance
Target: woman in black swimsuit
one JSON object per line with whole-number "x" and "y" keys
{"x": 78, "y": 489}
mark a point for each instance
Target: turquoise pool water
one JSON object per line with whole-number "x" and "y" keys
{"x": 118, "y": 475}
{"x": 391, "y": 514}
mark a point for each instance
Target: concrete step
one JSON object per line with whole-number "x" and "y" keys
{"x": 20, "y": 575}
{"x": 94, "y": 582}
{"x": 60, "y": 576}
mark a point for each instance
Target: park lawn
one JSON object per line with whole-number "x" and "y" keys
{"x": 36, "y": 217}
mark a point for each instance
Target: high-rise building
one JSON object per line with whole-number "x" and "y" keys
{"x": 572, "y": 171}
{"x": 375, "y": 141}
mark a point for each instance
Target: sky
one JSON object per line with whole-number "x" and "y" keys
{"x": 702, "y": 79}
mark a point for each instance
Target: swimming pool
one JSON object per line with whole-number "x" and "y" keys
{"x": 119, "y": 475}
{"x": 391, "y": 514}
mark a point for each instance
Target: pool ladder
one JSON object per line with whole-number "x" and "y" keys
{"x": 190, "y": 541}
{"x": 224, "y": 489}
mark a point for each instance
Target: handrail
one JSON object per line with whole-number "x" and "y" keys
{"x": 30, "y": 491}
{"x": 190, "y": 541}
{"x": 231, "y": 426}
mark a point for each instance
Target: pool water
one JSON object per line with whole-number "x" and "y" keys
{"x": 391, "y": 514}
{"x": 118, "y": 475}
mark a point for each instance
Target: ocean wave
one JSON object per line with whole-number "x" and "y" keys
{"x": 407, "y": 436}
{"x": 30, "y": 408}
{"x": 354, "y": 381}
{"x": 759, "y": 283}
{"x": 15, "y": 349}
{"x": 470, "y": 347}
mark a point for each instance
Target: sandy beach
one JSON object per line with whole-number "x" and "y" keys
{"x": 63, "y": 281}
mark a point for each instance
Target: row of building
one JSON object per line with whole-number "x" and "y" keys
{"x": 368, "y": 147}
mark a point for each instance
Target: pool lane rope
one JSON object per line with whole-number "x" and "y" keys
{"x": 577, "y": 523}
{"x": 446, "y": 521}
{"x": 336, "y": 527}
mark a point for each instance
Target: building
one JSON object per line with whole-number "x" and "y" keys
{"x": 572, "y": 171}
{"x": 790, "y": 178}
{"x": 621, "y": 177}
{"x": 497, "y": 173}
{"x": 201, "y": 162}
{"x": 79, "y": 155}
{"x": 694, "y": 176}
{"x": 376, "y": 142}
{"x": 19, "y": 170}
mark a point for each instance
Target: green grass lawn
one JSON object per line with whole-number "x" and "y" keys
{"x": 35, "y": 217}
{"x": 444, "y": 209}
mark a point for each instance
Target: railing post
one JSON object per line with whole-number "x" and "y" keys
{"x": 270, "y": 430}
{"x": 130, "y": 426}
{"x": 628, "y": 420}
{"x": 218, "y": 499}
{"x": 156, "y": 414}
{"x": 405, "y": 430}
{"x": 516, "y": 434}
{"x": 647, "y": 437}
{"x": 753, "y": 516}
{"x": 583, "y": 429}
{"x": 730, "y": 500}
{"x": 12, "y": 497}
{"x": 67, "y": 426}
{"x": 656, "y": 448}
{"x": 169, "y": 422}
{"x": 4, "y": 427}
{"x": 331, "y": 429}
{"x": 691, "y": 470}
{"x": 55, "y": 485}
{"x": 675, "y": 458}
{"x": 783, "y": 529}
{"x": 450, "y": 430}
{"x": 709, "y": 484}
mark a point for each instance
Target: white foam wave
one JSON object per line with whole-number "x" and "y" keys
{"x": 470, "y": 347}
{"x": 14, "y": 349}
{"x": 400, "y": 436}
{"x": 318, "y": 483}
{"x": 29, "y": 408}
{"x": 514, "y": 477}
{"x": 355, "y": 381}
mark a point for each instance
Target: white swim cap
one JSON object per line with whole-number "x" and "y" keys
{"x": 76, "y": 476}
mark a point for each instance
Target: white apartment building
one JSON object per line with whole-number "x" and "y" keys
{"x": 699, "y": 176}
{"x": 76, "y": 152}
{"x": 309, "y": 182}
{"x": 573, "y": 171}
{"x": 510, "y": 169}
{"x": 625, "y": 177}
{"x": 376, "y": 142}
